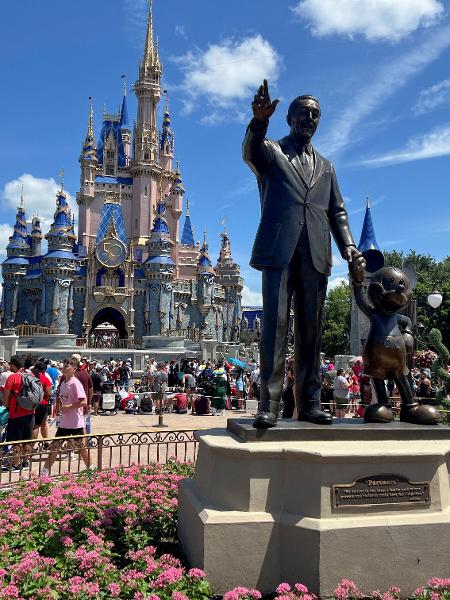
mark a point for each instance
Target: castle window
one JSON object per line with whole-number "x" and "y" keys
{"x": 110, "y": 169}
{"x": 146, "y": 191}
{"x": 146, "y": 156}
{"x": 110, "y": 154}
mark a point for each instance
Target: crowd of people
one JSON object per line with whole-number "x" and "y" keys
{"x": 73, "y": 391}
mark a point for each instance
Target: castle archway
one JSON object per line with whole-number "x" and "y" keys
{"x": 113, "y": 317}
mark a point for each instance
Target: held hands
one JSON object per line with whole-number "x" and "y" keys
{"x": 262, "y": 106}
{"x": 356, "y": 265}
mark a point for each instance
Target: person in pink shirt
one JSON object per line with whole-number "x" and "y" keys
{"x": 72, "y": 398}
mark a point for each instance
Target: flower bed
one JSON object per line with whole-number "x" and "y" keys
{"x": 108, "y": 535}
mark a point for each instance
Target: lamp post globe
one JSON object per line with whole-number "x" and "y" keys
{"x": 434, "y": 299}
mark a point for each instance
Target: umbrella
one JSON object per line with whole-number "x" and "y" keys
{"x": 236, "y": 362}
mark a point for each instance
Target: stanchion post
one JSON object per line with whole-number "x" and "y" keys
{"x": 161, "y": 423}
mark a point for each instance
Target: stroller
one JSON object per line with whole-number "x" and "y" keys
{"x": 109, "y": 403}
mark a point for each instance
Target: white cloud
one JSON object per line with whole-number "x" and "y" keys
{"x": 180, "y": 30}
{"x": 226, "y": 74}
{"x": 374, "y": 19}
{"x": 5, "y": 233}
{"x": 39, "y": 198}
{"x": 430, "y": 145}
{"x": 384, "y": 84}
{"x": 251, "y": 297}
{"x": 432, "y": 97}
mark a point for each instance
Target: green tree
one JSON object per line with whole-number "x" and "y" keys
{"x": 336, "y": 321}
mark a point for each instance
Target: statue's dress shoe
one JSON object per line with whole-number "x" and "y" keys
{"x": 420, "y": 414}
{"x": 378, "y": 413}
{"x": 319, "y": 417}
{"x": 265, "y": 420}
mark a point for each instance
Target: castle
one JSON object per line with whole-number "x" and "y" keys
{"x": 131, "y": 264}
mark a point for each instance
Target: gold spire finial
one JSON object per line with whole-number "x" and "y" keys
{"x": 367, "y": 201}
{"x": 91, "y": 118}
{"x": 149, "y": 50}
{"x": 188, "y": 207}
{"x": 61, "y": 175}
{"x": 124, "y": 77}
{"x": 204, "y": 236}
{"x": 21, "y": 197}
{"x": 160, "y": 190}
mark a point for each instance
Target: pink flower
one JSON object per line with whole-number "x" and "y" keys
{"x": 302, "y": 589}
{"x": 179, "y": 596}
{"x": 283, "y": 588}
{"x": 171, "y": 575}
{"x": 419, "y": 591}
{"x": 196, "y": 573}
{"x": 114, "y": 589}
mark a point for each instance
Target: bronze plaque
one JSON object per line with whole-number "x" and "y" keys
{"x": 377, "y": 490}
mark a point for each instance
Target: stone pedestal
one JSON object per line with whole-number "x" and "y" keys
{"x": 208, "y": 349}
{"x": 8, "y": 345}
{"x": 263, "y": 507}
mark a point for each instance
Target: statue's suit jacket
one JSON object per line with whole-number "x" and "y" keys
{"x": 289, "y": 201}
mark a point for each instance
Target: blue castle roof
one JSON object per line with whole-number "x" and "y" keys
{"x": 112, "y": 125}
{"x": 124, "y": 112}
{"x": 62, "y": 222}
{"x": 368, "y": 240}
{"x": 20, "y": 237}
{"x": 187, "y": 237}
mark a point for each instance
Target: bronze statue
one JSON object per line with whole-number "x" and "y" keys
{"x": 300, "y": 206}
{"x": 389, "y": 346}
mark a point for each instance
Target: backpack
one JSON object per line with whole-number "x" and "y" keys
{"x": 31, "y": 393}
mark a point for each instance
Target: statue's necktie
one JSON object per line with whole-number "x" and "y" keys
{"x": 307, "y": 163}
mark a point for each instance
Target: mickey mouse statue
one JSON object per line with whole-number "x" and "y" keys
{"x": 388, "y": 346}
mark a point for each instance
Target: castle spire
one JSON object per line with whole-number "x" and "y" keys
{"x": 150, "y": 61}
{"x": 368, "y": 240}
{"x": 124, "y": 108}
{"x": 204, "y": 264}
{"x": 225, "y": 247}
{"x": 19, "y": 238}
{"x": 90, "y": 132}
{"x": 167, "y": 138}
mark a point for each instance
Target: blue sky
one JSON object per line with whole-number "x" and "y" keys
{"x": 379, "y": 68}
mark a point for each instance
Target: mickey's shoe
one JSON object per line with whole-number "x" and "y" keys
{"x": 420, "y": 414}
{"x": 378, "y": 413}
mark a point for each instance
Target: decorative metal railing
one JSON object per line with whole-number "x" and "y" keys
{"x": 114, "y": 343}
{"x": 25, "y": 460}
{"x": 27, "y": 330}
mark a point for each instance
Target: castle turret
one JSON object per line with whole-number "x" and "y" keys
{"x": 205, "y": 288}
{"x": 167, "y": 142}
{"x": 58, "y": 268}
{"x": 159, "y": 270}
{"x": 145, "y": 142}
{"x": 88, "y": 162}
{"x": 14, "y": 268}
{"x": 228, "y": 275}
{"x": 36, "y": 236}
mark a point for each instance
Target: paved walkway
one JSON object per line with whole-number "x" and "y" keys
{"x": 121, "y": 422}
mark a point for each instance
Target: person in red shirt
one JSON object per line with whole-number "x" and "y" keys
{"x": 20, "y": 420}
{"x": 180, "y": 401}
{"x": 42, "y": 412}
